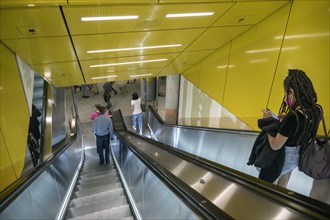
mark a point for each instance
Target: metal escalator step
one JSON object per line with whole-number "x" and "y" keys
{"x": 96, "y": 197}
{"x": 97, "y": 170}
{"x": 122, "y": 212}
{"x": 97, "y": 206}
{"x": 97, "y": 166}
{"x": 91, "y": 177}
{"x": 96, "y": 173}
{"x": 97, "y": 189}
{"x": 87, "y": 185}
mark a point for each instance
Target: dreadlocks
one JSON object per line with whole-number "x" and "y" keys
{"x": 306, "y": 98}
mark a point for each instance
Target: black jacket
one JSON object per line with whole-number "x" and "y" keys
{"x": 262, "y": 155}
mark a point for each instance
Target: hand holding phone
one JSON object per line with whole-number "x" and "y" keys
{"x": 268, "y": 113}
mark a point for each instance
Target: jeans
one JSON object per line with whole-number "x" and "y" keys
{"x": 139, "y": 119}
{"x": 103, "y": 148}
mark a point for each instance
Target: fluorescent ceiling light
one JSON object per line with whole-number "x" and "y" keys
{"x": 197, "y": 14}
{"x": 127, "y": 63}
{"x": 134, "y": 48}
{"x": 271, "y": 49}
{"x": 108, "y": 18}
{"x": 148, "y": 74}
{"x": 103, "y": 77}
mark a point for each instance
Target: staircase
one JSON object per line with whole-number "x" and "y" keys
{"x": 99, "y": 193}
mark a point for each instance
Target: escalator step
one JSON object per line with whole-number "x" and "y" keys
{"x": 113, "y": 213}
{"x": 97, "y": 206}
{"x": 76, "y": 202}
{"x": 92, "y": 177}
{"x": 101, "y": 182}
{"x": 97, "y": 189}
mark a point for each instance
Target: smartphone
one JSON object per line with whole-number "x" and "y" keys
{"x": 273, "y": 114}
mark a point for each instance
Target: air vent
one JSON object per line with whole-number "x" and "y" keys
{"x": 28, "y": 31}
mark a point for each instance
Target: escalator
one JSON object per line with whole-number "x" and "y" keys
{"x": 230, "y": 148}
{"x": 156, "y": 182}
{"x": 99, "y": 193}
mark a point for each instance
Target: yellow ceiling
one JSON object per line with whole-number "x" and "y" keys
{"x": 51, "y": 37}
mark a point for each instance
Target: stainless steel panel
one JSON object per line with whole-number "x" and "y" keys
{"x": 148, "y": 191}
{"x": 231, "y": 149}
{"x": 237, "y": 200}
{"x": 44, "y": 196}
{"x": 22, "y": 208}
{"x": 166, "y": 204}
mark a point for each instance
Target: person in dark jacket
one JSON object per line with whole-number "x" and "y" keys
{"x": 34, "y": 135}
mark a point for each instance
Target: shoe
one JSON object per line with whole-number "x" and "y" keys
{"x": 140, "y": 133}
{"x": 134, "y": 127}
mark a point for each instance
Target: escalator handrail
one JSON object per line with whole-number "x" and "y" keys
{"x": 225, "y": 130}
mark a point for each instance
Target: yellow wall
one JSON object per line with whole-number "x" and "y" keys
{"x": 257, "y": 62}
{"x": 14, "y": 119}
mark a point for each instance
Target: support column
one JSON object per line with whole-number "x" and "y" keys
{"x": 148, "y": 90}
{"x": 172, "y": 99}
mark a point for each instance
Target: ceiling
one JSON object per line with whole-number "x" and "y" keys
{"x": 52, "y": 38}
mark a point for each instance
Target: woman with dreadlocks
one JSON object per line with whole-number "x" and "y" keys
{"x": 299, "y": 117}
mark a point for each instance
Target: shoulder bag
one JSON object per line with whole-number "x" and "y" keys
{"x": 314, "y": 158}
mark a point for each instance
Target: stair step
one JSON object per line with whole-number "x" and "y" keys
{"x": 96, "y": 169}
{"x": 90, "y": 178}
{"x": 99, "y": 205}
{"x": 122, "y": 212}
{"x": 76, "y": 202}
{"x": 97, "y": 190}
{"x": 107, "y": 181}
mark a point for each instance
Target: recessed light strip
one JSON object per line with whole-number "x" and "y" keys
{"x": 196, "y": 14}
{"x": 103, "y": 77}
{"x": 128, "y": 63}
{"x": 110, "y": 18}
{"x": 140, "y": 75}
{"x": 134, "y": 48}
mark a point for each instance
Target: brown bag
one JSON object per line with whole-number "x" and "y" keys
{"x": 314, "y": 158}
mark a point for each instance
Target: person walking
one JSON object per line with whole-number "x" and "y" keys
{"x": 136, "y": 111}
{"x": 103, "y": 130}
{"x": 107, "y": 94}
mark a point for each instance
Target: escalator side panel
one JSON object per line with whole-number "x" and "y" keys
{"x": 153, "y": 199}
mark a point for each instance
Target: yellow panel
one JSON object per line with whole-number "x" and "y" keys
{"x": 308, "y": 32}
{"x": 14, "y": 111}
{"x": 30, "y": 3}
{"x": 61, "y": 74}
{"x": 216, "y": 37}
{"x": 247, "y": 13}
{"x": 253, "y": 58}
{"x": 132, "y": 40}
{"x": 192, "y": 1}
{"x": 150, "y": 17}
{"x": 7, "y": 172}
{"x": 96, "y": 2}
{"x": 185, "y": 61}
{"x": 193, "y": 74}
{"x": 213, "y": 74}
{"x": 89, "y": 70}
{"x": 20, "y": 23}
{"x": 43, "y": 50}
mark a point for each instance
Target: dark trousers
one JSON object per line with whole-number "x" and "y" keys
{"x": 103, "y": 148}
